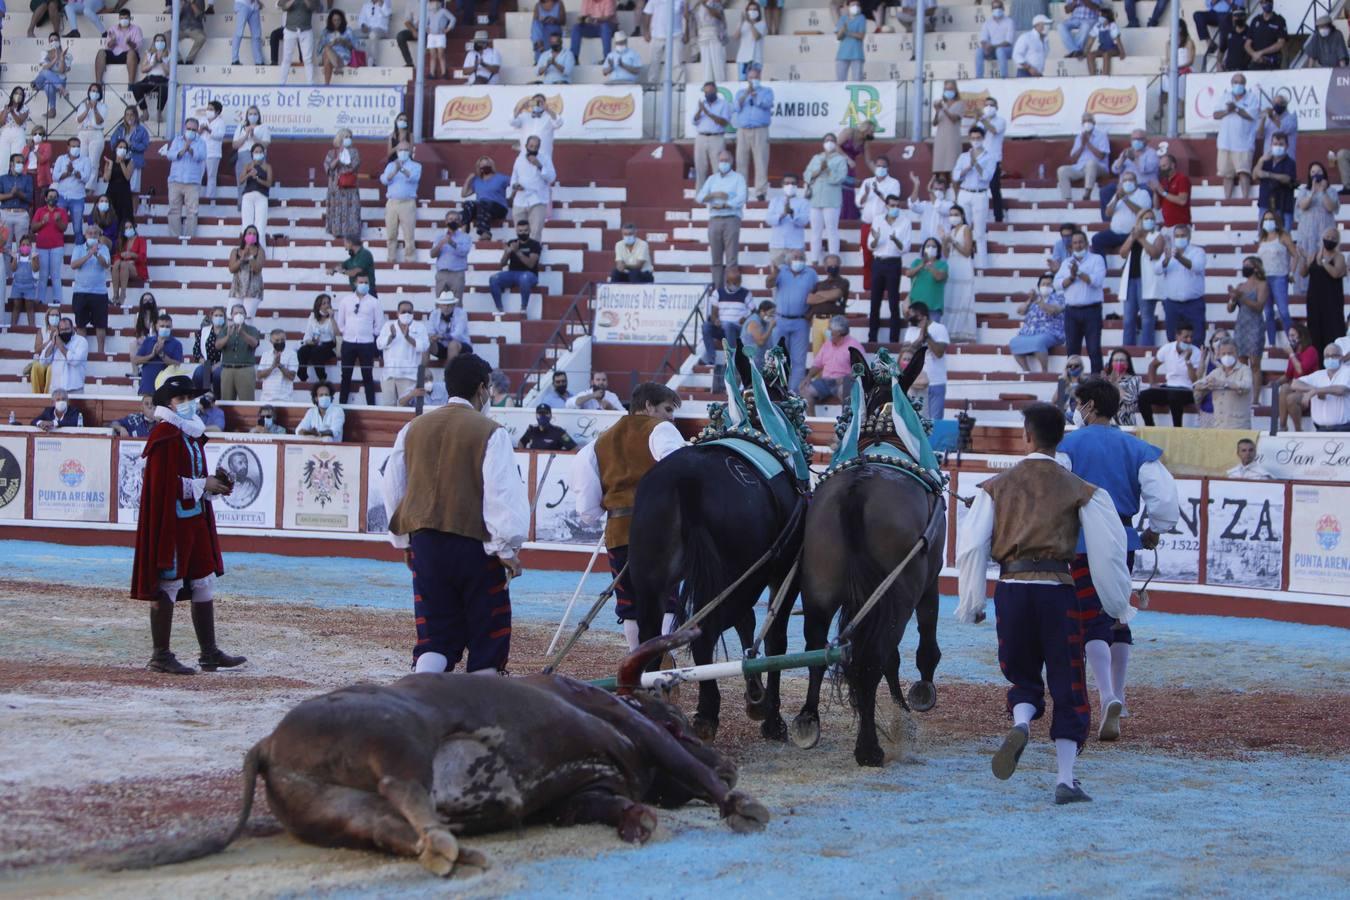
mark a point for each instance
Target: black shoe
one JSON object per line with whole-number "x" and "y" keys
{"x": 166, "y": 662}
{"x": 204, "y": 623}
{"x": 1005, "y": 758}
{"x": 216, "y": 658}
{"x": 1065, "y": 794}
{"x": 73, "y": 34}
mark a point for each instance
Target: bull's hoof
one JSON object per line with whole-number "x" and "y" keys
{"x": 637, "y": 824}
{"x": 744, "y": 815}
{"x": 774, "y": 729}
{"x": 470, "y": 863}
{"x": 705, "y": 729}
{"x": 726, "y": 773}
{"x": 922, "y": 696}
{"x": 806, "y": 731}
{"x": 873, "y": 756}
{"x": 440, "y": 852}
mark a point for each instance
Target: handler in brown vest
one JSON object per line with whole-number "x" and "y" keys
{"x": 606, "y": 475}
{"x": 1029, "y": 519}
{"x": 459, "y": 510}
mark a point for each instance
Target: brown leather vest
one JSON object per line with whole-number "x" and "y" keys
{"x": 444, "y": 451}
{"x": 624, "y": 457}
{"x": 1036, "y": 507}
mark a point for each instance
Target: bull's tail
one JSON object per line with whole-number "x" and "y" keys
{"x": 196, "y": 848}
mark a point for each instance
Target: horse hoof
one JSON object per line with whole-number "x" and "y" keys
{"x": 756, "y": 701}
{"x": 922, "y": 696}
{"x": 637, "y": 824}
{"x": 774, "y": 729}
{"x": 705, "y": 729}
{"x": 873, "y": 757}
{"x": 806, "y": 732}
{"x": 744, "y": 815}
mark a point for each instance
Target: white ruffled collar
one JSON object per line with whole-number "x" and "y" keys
{"x": 193, "y": 427}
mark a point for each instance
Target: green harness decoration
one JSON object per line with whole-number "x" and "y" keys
{"x": 772, "y": 436}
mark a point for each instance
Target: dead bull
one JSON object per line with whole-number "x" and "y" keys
{"x": 405, "y": 768}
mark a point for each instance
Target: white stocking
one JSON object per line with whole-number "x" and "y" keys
{"x": 1066, "y": 751}
{"x": 1120, "y": 660}
{"x": 630, "y": 631}
{"x": 1099, "y": 660}
{"x": 1023, "y": 713}
{"x": 432, "y": 662}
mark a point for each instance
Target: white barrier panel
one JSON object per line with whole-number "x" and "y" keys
{"x": 1305, "y": 89}
{"x": 809, "y": 109}
{"x": 1246, "y": 534}
{"x": 13, "y": 463}
{"x": 377, "y": 517}
{"x": 588, "y": 111}
{"x": 1039, "y": 107}
{"x": 322, "y": 491}
{"x": 1315, "y": 456}
{"x": 71, "y": 478}
{"x": 302, "y": 110}
{"x": 253, "y": 466}
{"x": 1179, "y": 549}
{"x": 1319, "y": 548}
{"x": 584, "y": 425}
{"x": 643, "y": 313}
{"x": 555, "y": 516}
{"x": 130, "y": 477}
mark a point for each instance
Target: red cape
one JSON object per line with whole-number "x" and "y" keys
{"x": 165, "y": 541}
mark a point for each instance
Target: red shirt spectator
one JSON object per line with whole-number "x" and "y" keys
{"x": 1173, "y": 193}
{"x": 49, "y": 227}
{"x": 1308, "y": 362}
{"x": 134, "y": 251}
{"x": 40, "y": 167}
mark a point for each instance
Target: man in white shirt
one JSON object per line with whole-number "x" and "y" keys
{"x": 1131, "y": 198}
{"x": 482, "y": 64}
{"x": 598, "y": 397}
{"x": 1326, "y": 391}
{"x": 358, "y": 319}
{"x": 724, "y": 193}
{"x": 373, "y": 23}
{"x": 212, "y": 128}
{"x": 404, "y": 343}
{"x": 1238, "y": 112}
{"x": 1180, "y": 362}
{"x": 1081, "y": 277}
{"x": 622, "y": 64}
{"x": 277, "y": 365}
{"x": 1090, "y": 154}
{"x": 995, "y": 130}
{"x": 531, "y": 193}
{"x": 996, "y": 40}
{"x": 1181, "y": 269}
{"x": 888, "y": 244}
{"x": 923, "y": 331}
{"x": 1031, "y": 48}
{"x": 462, "y": 534}
{"x": 974, "y": 170}
{"x": 870, "y": 198}
{"x": 656, "y": 19}
{"x": 66, "y": 354}
{"x": 632, "y": 259}
{"x": 537, "y": 120}
{"x": 1248, "y": 469}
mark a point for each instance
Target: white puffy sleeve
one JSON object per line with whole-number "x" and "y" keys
{"x": 972, "y": 557}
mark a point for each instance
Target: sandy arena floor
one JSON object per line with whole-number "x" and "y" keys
{"x": 1230, "y": 779}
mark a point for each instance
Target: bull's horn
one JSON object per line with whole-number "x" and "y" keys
{"x": 630, "y": 670}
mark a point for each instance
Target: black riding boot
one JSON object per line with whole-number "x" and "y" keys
{"x": 161, "y": 625}
{"x": 212, "y": 658}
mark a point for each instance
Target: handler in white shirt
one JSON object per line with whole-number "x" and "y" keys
{"x": 404, "y": 344}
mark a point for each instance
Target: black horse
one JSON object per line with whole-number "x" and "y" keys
{"x": 863, "y": 522}
{"x": 702, "y": 517}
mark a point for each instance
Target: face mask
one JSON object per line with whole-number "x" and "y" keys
{"x": 258, "y": 157}
{"x": 976, "y": 143}
{"x": 1277, "y": 150}
{"x": 25, "y": 250}
{"x": 190, "y": 135}
{"x": 1128, "y": 186}
{"x": 1329, "y": 244}
{"x": 1087, "y": 127}
{"x": 892, "y": 212}
{"x": 187, "y": 409}
{"x": 74, "y": 152}
{"x": 53, "y": 44}
{"x": 710, "y": 96}
{"x": 278, "y": 345}
{"x": 954, "y": 221}
{"x": 1248, "y": 271}
{"x": 325, "y": 402}
{"x": 914, "y": 321}
{"x": 1280, "y": 108}
{"x": 404, "y": 155}
{"x": 829, "y": 146}
{"x": 17, "y": 168}
{"x": 1149, "y": 225}
{"x": 238, "y": 319}
{"x": 102, "y": 206}
{"x": 724, "y": 167}
{"x": 949, "y": 95}
{"x": 798, "y": 264}
{"x": 402, "y": 123}
{"x": 1239, "y": 90}
{"x": 217, "y": 321}
{"x": 159, "y": 45}
{"x": 51, "y": 201}
{"x": 254, "y": 118}
{"x": 65, "y": 336}
{"x": 753, "y": 15}
{"x": 166, "y": 332}
{"x": 1074, "y": 371}
{"x": 405, "y": 318}
{"x": 930, "y": 252}
{"x": 1228, "y": 360}
{"x": 556, "y": 48}
{"x": 991, "y": 110}
{"x": 1324, "y": 32}
{"x": 124, "y": 23}
{"x": 1137, "y": 144}
{"x": 363, "y": 289}
{"x": 1183, "y": 346}
{"x": 733, "y": 287}
{"x": 1120, "y": 367}
{"x": 1182, "y": 243}
{"x": 1043, "y": 290}
{"x": 630, "y": 239}
{"x": 789, "y": 190}
{"x": 831, "y": 270}
{"x": 998, "y": 12}
{"x": 854, "y": 10}
{"x": 53, "y": 320}
{"x": 1080, "y": 254}
{"x": 882, "y": 172}
{"x": 211, "y": 115}
{"x": 250, "y": 239}
{"x": 1268, "y": 226}
{"x": 267, "y": 421}
{"x": 1333, "y": 363}
{"x": 1077, "y": 413}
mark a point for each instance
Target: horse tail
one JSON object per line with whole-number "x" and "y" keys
{"x": 703, "y": 571}
{"x": 862, "y": 575}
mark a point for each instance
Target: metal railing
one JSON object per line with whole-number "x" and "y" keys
{"x": 560, "y": 341}
{"x": 682, "y": 340}
{"x": 116, "y": 97}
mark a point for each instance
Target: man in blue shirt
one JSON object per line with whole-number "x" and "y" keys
{"x": 448, "y": 328}
{"x": 1217, "y": 13}
{"x": 488, "y": 188}
{"x": 91, "y": 263}
{"x": 137, "y": 424}
{"x": 724, "y": 194}
{"x": 556, "y": 394}
{"x": 792, "y": 285}
{"x": 187, "y": 164}
{"x": 16, "y": 199}
{"x": 71, "y": 174}
{"x": 788, "y": 215}
{"x": 554, "y": 65}
{"x": 156, "y": 352}
{"x": 451, "y": 255}
{"x": 711, "y": 118}
{"x": 400, "y": 179}
{"x": 754, "y": 113}
{"x": 622, "y": 63}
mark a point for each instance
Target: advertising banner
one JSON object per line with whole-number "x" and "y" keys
{"x": 555, "y": 515}
{"x": 1319, "y": 549}
{"x": 1308, "y": 91}
{"x": 71, "y": 479}
{"x": 1179, "y": 549}
{"x": 589, "y": 112}
{"x": 808, "y": 109}
{"x": 253, "y": 466}
{"x": 1245, "y": 543}
{"x": 584, "y": 425}
{"x": 302, "y": 110}
{"x": 377, "y": 517}
{"x": 1338, "y": 102}
{"x": 643, "y": 313}
{"x": 1309, "y": 455}
{"x": 130, "y": 476}
{"x": 322, "y": 487}
{"x": 13, "y": 466}
{"x": 1055, "y": 106}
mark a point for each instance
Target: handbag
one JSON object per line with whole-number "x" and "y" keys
{"x": 347, "y": 180}
{"x": 358, "y": 59}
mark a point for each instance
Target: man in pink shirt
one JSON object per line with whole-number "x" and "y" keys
{"x": 599, "y": 18}
{"x": 121, "y": 45}
{"x": 831, "y": 374}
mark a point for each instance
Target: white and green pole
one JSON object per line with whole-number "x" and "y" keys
{"x": 757, "y": 665}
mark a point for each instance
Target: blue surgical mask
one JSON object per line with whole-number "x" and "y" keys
{"x": 1182, "y": 243}
{"x": 1239, "y": 90}
{"x": 1080, "y": 254}
{"x": 1333, "y": 363}
{"x": 187, "y": 409}
{"x": 165, "y": 332}
{"x": 1149, "y": 225}
{"x": 1278, "y": 150}
{"x": 1137, "y": 144}
{"x": 950, "y": 95}
{"x": 797, "y": 265}
{"x": 325, "y": 402}
{"x": 892, "y": 212}
{"x": 363, "y": 289}
{"x": 882, "y": 172}
{"x": 724, "y": 167}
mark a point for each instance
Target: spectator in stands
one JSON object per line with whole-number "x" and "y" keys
{"x": 104, "y": 217}
{"x": 359, "y": 261}
{"x": 1326, "y": 47}
{"x": 1182, "y": 269}
{"x": 1091, "y": 152}
{"x": 727, "y": 309}
{"x": 1267, "y": 34}
{"x": 537, "y": 120}
{"x": 267, "y": 419}
{"x": 499, "y": 387}
{"x": 238, "y": 358}
{"x": 1185, "y": 60}
{"x": 958, "y": 246}
{"x": 1138, "y": 159}
{"x": 440, "y": 22}
{"x": 974, "y": 172}
{"x": 1066, "y": 388}
{"x": 711, "y": 119}
{"x": 1238, "y": 112}
{"x": 14, "y": 122}
{"x": 1031, "y": 49}
{"x": 482, "y": 64}
{"x": 918, "y": 389}
{"x": 1326, "y": 392}
{"x": 947, "y": 114}
{"x": 1276, "y": 119}
{"x": 156, "y": 353}
{"x": 1042, "y": 327}
{"x": 710, "y": 27}
{"x": 1103, "y": 43}
{"x": 932, "y": 212}
{"x": 850, "y": 31}
{"x": 1141, "y": 289}
{"x": 246, "y": 267}
{"x": 870, "y": 198}
{"x": 824, "y": 178}
{"x": 342, "y": 203}
{"x": 318, "y": 346}
{"x": 1120, "y": 372}
{"x": 750, "y": 47}
{"x": 793, "y": 284}
{"x": 829, "y": 299}
{"x": 1248, "y": 300}
{"x": 1229, "y": 387}
{"x": 1279, "y": 257}
{"x": 906, "y": 15}
{"x": 532, "y": 178}
{"x": 400, "y": 134}
{"x": 923, "y": 331}
{"x": 60, "y": 414}
{"x": 521, "y": 261}
{"x": 1173, "y": 193}
{"x": 154, "y": 77}
{"x": 257, "y": 185}
{"x": 1217, "y": 14}
{"x": 372, "y": 24}
{"x": 51, "y": 76}
{"x": 207, "y": 350}
{"x": 49, "y": 235}
{"x": 787, "y": 217}
{"x": 556, "y": 394}
{"x": 191, "y": 28}
{"x": 448, "y": 329}
{"x": 724, "y": 193}
{"x": 36, "y": 371}
{"x": 1074, "y": 30}
{"x": 1326, "y": 271}
{"x": 358, "y": 320}
{"x": 754, "y": 114}
{"x": 555, "y": 65}
{"x": 830, "y": 377}
{"x": 1124, "y": 209}
{"x": 247, "y": 12}
{"x": 248, "y": 134}
{"x": 401, "y": 178}
{"x": 1081, "y": 278}
{"x": 66, "y": 357}
{"x": 1278, "y": 176}
{"x": 16, "y": 199}
{"x": 124, "y": 43}
{"x": 996, "y": 40}
{"x": 73, "y": 173}
{"x": 928, "y": 279}
{"x": 656, "y": 21}
{"x": 137, "y": 138}
{"x": 888, "y": 243}
{"x": 91, "y": 261}
{"x": 632, "y": 259}
{"x": 325, "y": 419}
{"x": 1315, "y": 210}
{"x": 187, "y": 162}
{"x": 622, "y": 64}
{"x": 408, "y": 33}
{"x": 1303, "y": 360}
{"x": 147, "y": 315}
{"x": 337, "y": 43}
{"x": 544, "y": 435}
{"x": 450, "y": 256}
{"x": 25, "y": 263}
{"x": 117, "y": 173}
{"x": 1181, "y": 365}
{"x": 137, "y": 424}
{"x": 598, "y": 397}
{"x": 403, "y": 342}
{"x": 995, "y": 130}
{"x": 760, "y": 331}
{"x": 1248, "y": 469}
{"x": 488, "y": 188}
{"x": 548, "y": 20}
